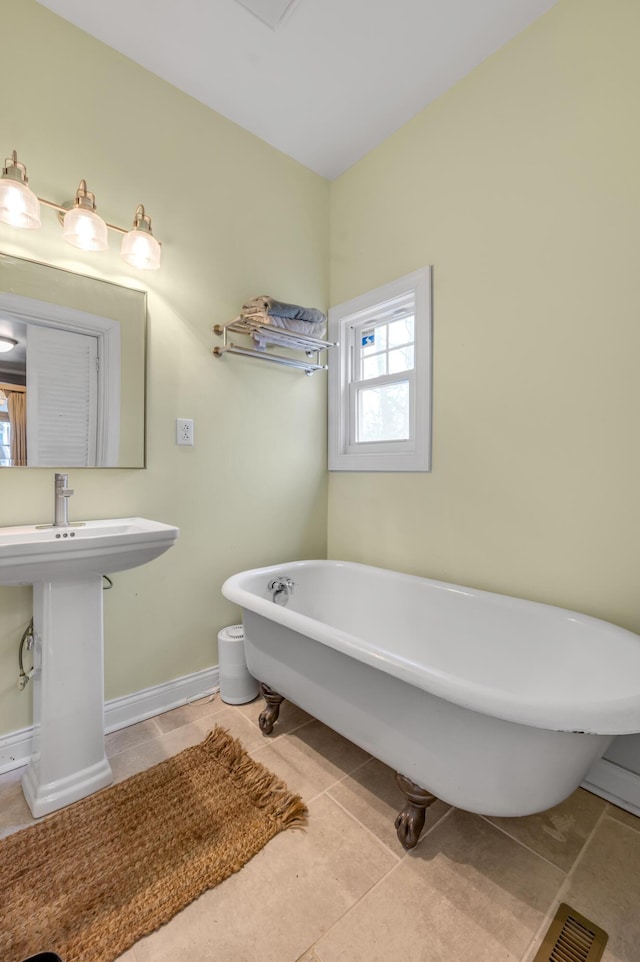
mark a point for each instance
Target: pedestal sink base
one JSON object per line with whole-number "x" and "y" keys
{"x": 44, "y": 798}
{"x": 69, "y": 759}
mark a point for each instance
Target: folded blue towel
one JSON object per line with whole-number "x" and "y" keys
{"x": 278, "y": 309}
{"x": 295, "y": 313}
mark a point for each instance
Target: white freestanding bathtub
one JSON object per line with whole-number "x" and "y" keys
{"x": 493, "y": 704}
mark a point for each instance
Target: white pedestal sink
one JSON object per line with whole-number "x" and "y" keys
{"x": 65, "y": 566}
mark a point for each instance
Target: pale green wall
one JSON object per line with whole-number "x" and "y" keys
{"x": 236, "y": 218}
{"x": 521, "y": 185}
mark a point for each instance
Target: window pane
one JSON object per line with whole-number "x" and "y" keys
{"x": 401, "y": 331}
{"x": 383, "y": 413}
{"x": 401, "y": 360}
{"x": 374, "y": 366}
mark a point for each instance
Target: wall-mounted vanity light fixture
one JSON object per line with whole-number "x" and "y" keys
{"x": 7, "y": 344}
{"x": 82, "y": 226}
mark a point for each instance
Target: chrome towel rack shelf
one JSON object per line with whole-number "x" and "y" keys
{"x": 266, "y": 334}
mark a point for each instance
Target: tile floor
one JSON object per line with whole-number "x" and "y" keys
{"x": 473, "y": 890}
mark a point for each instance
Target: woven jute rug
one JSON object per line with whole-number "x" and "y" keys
{"x": 90, "y": 880}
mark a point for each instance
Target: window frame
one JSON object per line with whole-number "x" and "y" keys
{"x": 346, "y": 321}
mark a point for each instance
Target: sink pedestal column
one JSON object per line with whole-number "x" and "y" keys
{"x": 69, "y": 760}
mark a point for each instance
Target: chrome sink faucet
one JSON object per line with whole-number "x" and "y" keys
{"x": 62, "y": 494}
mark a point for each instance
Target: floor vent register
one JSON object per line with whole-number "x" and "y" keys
{"x": 572, "y": 938}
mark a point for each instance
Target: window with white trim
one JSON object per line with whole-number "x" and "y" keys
{"x": 380, "y": 378}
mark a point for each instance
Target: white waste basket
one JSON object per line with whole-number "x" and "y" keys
{"x": 237, "y": 686}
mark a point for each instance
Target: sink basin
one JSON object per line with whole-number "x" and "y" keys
{"x": 65, "y": 565}
{"x": 29, "y": 554}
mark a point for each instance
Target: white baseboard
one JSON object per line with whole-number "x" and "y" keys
{"x": 16, "y": 748}
{"x": 616, "y": 784}
{"x": 121, "y": 712}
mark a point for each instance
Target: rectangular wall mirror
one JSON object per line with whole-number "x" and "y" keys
{"x": 72, "y": 369}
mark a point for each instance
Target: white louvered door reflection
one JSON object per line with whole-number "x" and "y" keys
{"x": 62, "y": 398}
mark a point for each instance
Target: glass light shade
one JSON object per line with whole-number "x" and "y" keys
{"x": 6, "y": 344}
{"x": 140, "y": 249}
{"x": 19, "y": 206}
{"x": 83, "y": 228}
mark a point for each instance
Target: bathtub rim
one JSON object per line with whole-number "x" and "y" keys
{"x": 608, "y": 717}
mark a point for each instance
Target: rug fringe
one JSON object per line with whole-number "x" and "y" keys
{"x": 267, "y": 791}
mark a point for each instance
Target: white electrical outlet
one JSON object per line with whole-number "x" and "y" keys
{"x": 184, "y": 431}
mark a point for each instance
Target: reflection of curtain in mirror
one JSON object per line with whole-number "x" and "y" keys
{"x": 17, "y": 408}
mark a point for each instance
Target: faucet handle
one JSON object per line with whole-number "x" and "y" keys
{"x": 62, "y": 485}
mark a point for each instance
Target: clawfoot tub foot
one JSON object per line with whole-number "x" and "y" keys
{"x": 269, "y": 716}
{"x": 410, "y": 821}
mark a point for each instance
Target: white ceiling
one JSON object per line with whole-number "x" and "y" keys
{"x": 330, "y": 81}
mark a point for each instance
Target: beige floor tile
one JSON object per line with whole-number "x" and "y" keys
{"x": 560, "y": 833}
{"x": 606, "y": 888}
{"x": 186, "y": 737}
{"x": 311, "y": 758}
{"x": 309, "y": 956}
{"x": 129, "y": 956}
{"x": 149, "y": 753}
{"x": 185, "y": 714}
{"x": 237, "y": 725}
{"x": 228, "y": 718}
{"x": 126, "y": 738}
{"x": 371, "y": 795}
{"x": 468, "y": 893}
{"x": 138, "y": 759}
{"x": 290, "y": 716}
{"x": 633, "y": 821}
{"x": 14, "y": 811}
{"x": 276, "y": 907}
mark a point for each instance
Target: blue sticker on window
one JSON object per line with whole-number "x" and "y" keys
{"x": 368, "y": 338}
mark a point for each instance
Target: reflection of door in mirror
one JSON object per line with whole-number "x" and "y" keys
{"x": 72, "y": 379}
{"x": 62, "y": 398}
